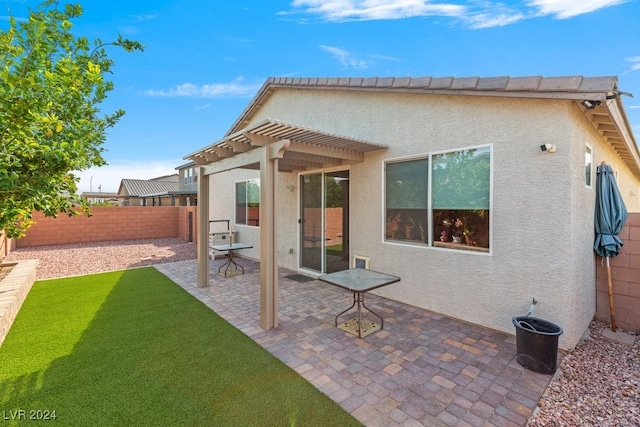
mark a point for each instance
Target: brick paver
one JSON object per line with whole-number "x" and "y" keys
{"x": 422, "y": 369}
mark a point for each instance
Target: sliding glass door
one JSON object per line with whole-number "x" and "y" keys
{"x": 324, "y": 221}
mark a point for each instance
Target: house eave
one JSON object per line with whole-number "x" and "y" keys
{"x": 608, "y": 118}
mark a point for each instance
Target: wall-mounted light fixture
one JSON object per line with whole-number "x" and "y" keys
{"x": 617, "y": 93}
{"x": 548, "y": 147}
{"x": 590, "y": 105}
{"x": 290, "y": 187}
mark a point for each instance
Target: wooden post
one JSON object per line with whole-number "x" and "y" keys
{"x": 203, "y": 228}
{"x": 268, "y": 243}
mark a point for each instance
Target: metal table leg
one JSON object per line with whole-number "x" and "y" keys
{"x": 343, "y": 312}
{"x": 358, "y": 302}
{"x": 230, "y": 256}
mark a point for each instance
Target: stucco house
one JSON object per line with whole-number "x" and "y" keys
{"x": 187, "y": 193}
{"x": 158, "y": 191}
{"x": 392, "y": 169}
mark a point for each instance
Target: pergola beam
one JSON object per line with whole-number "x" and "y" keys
{"x": 320, "y": 150}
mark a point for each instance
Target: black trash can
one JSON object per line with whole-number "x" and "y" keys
{"x": 537, "y": 344}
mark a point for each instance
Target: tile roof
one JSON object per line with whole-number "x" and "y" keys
{"x": 504, "y": 83}
{"x": 567, "y": 87}
{"x": 608, "y": 116}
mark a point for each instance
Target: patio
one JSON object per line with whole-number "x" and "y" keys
{"x": 422, "y": 369}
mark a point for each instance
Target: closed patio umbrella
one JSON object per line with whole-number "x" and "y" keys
{"x": 610, "y": 215}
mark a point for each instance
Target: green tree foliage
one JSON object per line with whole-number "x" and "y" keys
{"x": 51, "y": 83}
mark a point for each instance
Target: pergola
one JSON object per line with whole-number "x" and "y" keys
{"x": 271, "y": 146}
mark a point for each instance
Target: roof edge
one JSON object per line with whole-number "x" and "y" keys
{"x": 567, "y": 87}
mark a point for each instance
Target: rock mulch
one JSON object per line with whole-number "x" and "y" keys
{"x": 598, "y": 384}
{"x": 86, "y": 258}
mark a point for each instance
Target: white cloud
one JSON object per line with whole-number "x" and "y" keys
{"x": 472, "y": 13}
{"x": 490, "y": 15}
{"x": 131, "y": 30}
{"x": 146, "y": 17}
{"x": 384, "y": 58}
{"x": 563, "y": 9}
{"x": 345, "y": 58}
{"x": 367, "y": 10}
{"x": 634, "y": 63}
{"x": 235, "y": 89}
{"x": 107, "y": 178}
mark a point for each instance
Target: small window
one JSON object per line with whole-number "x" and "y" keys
{"x": 248, "y": 202}
{"x": 588, "y": 164}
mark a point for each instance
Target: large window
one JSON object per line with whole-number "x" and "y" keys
{"x": 406, "y": 200}
{"x": 248, "y": 202}
{"x": 458, "y": 198}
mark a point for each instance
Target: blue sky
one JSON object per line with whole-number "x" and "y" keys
{"x": 204, "y": 60}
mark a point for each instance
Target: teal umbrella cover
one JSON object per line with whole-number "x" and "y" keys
{"x": 610, "y": 214}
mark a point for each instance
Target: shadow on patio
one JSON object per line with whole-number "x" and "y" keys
{"x": 422, "y": 369}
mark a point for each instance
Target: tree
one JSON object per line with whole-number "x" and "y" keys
{"x": 51, "y": 83}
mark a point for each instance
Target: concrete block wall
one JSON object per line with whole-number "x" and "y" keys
{"x": 625, "y": 277}
{"x": 333, "y": 223}
{"x": 108, "y": 224}
{"x": 183, "y": 223}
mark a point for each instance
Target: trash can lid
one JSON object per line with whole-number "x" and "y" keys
{"x": 536, "y": 325}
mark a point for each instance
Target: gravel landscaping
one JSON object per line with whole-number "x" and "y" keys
{"x": 598, "y": 384}
{"x": 86, "y": 258}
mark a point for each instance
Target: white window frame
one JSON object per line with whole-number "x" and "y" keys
{"x": 235, "y": 202}
{"x": 430, "y": 238}
{"x": 588, "y": 151}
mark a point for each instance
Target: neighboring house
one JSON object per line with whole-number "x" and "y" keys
{"x": 149, "y": 192}
{"x": 381, "y": 168}
{"x": 187, "y": 193}
{"x": 99, "y": 197}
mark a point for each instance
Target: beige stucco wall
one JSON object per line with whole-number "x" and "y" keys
{"x": 542, "y": 213}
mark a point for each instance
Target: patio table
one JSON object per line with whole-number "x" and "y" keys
{"x": 230, "y": 249}
{"x": 359, "y": 281}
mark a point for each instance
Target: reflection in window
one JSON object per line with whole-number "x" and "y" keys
{"x": 587, "y": 165}
{"x": 248, "y": 202}
{"x": 406, "y": 200}
{"x": 460, "y": 196}
{"x": 460, "y": 199}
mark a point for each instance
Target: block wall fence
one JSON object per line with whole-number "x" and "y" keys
{"x": 625, "y": 277}
{"x": 138, "y": 222}
{"x": 112, "y": 224}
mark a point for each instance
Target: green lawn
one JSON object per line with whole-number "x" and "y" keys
{"x": 133, "y": 348}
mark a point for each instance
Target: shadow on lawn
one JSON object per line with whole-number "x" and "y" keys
{"x": 135, "y": 349}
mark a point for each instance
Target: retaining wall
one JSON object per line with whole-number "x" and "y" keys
{"x": 14, "y": 288}
{"x": 625, "y": 277}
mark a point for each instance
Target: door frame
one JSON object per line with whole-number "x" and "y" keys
{"x": 299, "y": 243}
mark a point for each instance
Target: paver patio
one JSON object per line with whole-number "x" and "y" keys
{"x": 422, "y": 369}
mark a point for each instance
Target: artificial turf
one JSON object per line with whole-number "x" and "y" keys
{"x": 133, "y": 348}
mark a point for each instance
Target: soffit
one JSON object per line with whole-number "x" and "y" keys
{"x": 309, "y": 148}
{"x": 610, "y": 120}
